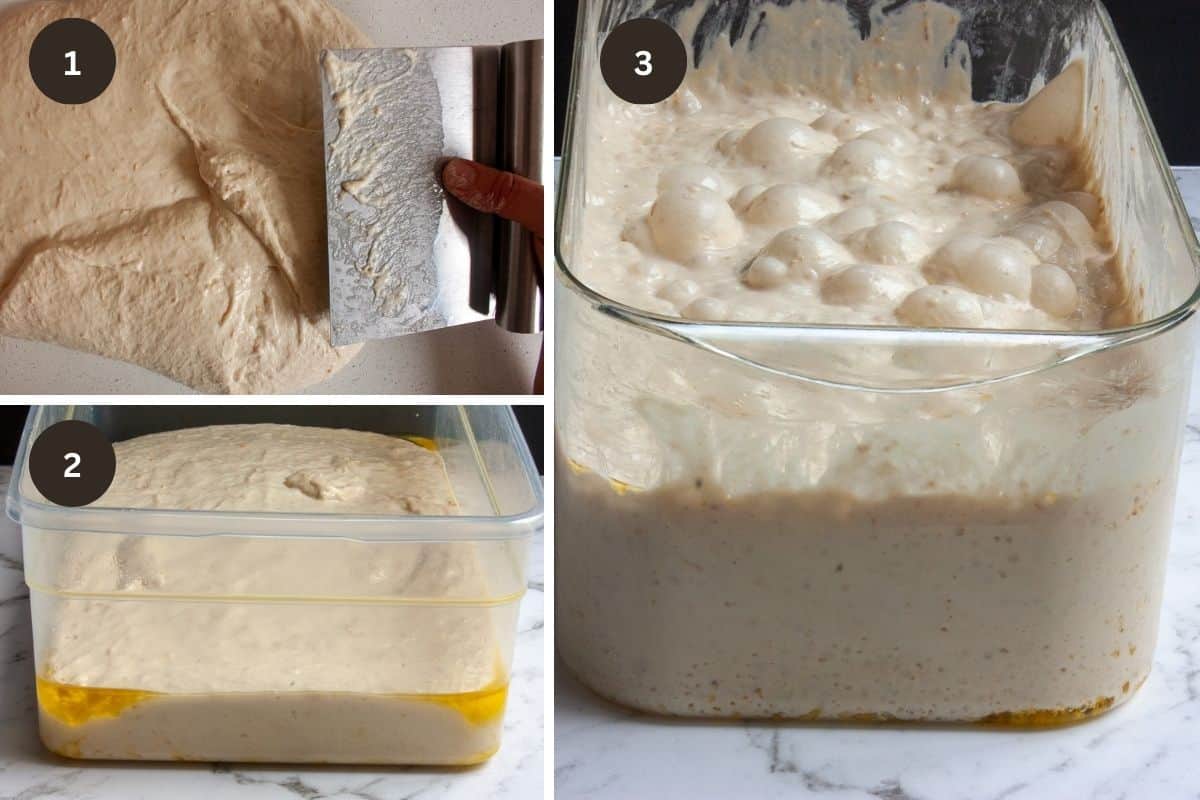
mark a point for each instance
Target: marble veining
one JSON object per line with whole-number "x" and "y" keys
{"x": 29, "y": 772}
{"x": 1147, "y": 748}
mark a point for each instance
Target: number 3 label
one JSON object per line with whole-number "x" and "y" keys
{"x": 645, "y": 63}
{"x": 74, "y": 465}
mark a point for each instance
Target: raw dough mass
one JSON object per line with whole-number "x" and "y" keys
{"x": 177, "y": 221}
{"x": 388, "y": 677}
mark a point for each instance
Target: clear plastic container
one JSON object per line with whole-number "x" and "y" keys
{"x": 333, "y": 665}
{"x": 758, "y": 520}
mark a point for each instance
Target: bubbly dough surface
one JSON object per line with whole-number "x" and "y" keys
{"x": 279, "y": 468}
{"x": 768, "y": 203}
{"x": 176, "y": 222}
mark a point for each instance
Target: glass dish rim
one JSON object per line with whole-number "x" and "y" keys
{"x": 1092, "y": 341}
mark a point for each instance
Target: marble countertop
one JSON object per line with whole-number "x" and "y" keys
{"x": 1147, "y": 748}
{"x": 29, "y": 772}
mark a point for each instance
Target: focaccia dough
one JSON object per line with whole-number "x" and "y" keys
{"x": 288, "y": 647}
{"x": 279, "y": 468}
{"x": 177, "y": 221}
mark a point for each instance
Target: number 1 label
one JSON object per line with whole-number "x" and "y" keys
{"x": 73, "y": 71}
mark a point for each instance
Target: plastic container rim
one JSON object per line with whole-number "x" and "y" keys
{"x": 354, "y": 527}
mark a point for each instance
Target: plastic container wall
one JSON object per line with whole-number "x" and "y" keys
{"x": 388, "y": 685}
{"x": 832, "y": 522}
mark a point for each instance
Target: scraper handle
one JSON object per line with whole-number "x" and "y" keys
{"x": 519, "y": 267}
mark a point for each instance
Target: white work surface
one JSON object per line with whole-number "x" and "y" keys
{"x": 474, "y": 359}
{"x": 1148, "y": 748}
{"x": 29, "y": 772}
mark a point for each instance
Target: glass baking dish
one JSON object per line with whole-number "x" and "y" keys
{"x": 346, "y": 665}
{"x": 766, "y": 520}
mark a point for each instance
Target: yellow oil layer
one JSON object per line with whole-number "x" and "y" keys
{"x": 1033, "y": 718}
{"x": 620, "y": 487}
{"x": 1030, "y": 718}
{"x": 479, "y": 708}
{"x": 422, "y": 441}
{"x": 76, "y": 705}
{"x": 431, "y": 446}
{"x": 1049, "y": 717}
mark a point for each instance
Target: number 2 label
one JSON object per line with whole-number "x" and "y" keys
{"x": 72, "y": 71}
{"x": 74, "y": 465}
{"x": 645, "y": 65}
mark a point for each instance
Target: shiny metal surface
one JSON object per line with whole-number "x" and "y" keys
{"x": 517, "y": 283}
{"x": 392, "y": 271}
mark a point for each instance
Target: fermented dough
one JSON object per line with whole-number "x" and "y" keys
{"x": 176, "y": 222}
{"x": 824, "y": 190}
{"x": 732, "y": 542}
{"x": 384, "y": 667}
{"x": 281, "y": 468}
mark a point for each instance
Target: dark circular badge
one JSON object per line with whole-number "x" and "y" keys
{"x": 72, "y": 464}
{"x": 72, "y": 61}
{"x": 643, "y": 61}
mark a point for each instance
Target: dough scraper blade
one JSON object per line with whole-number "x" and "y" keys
{"x": 403, "y": 257}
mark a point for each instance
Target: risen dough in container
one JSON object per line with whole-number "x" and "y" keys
{"x": 177, "y": 221}
{"x": 271, "y": 648}
{"x": 279, "y": 468}
{"x": 733, "y": 542}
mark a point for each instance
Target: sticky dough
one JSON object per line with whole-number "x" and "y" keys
{"x": 756, "y": 200}
{"x": 177, "y": 221}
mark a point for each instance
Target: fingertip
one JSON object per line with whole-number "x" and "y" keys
{"x": 458, "y": 175}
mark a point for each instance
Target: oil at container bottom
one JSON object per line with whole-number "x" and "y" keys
{"x": 299, "y": 727}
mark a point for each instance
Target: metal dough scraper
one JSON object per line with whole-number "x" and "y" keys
{"x": 403, "y": 256}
